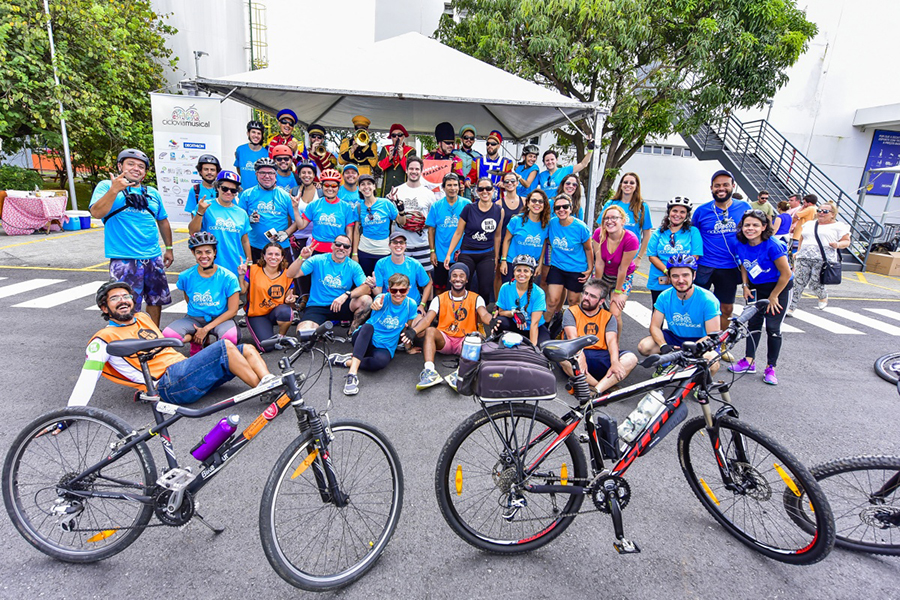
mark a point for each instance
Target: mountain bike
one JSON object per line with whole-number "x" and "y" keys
{"x": 512, "y": 477}
{"x": 80, "y": 484}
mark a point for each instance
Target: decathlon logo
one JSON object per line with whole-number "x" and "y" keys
{"x": 185, "y": 117}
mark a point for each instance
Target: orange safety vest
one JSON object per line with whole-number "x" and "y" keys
{"x": 143, "y": 328}
{"x": 596, "y": 325}
{"x": 457, "y": 319}
{"x": 265, "y": 294}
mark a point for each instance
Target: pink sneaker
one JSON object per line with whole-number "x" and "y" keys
{"x": 743, "y": 366}
{"x": 769, "y": 377}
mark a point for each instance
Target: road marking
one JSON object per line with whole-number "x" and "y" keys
{"x": 105, "y": 262}
{"x": 51, "y": 300}
{"x": 178, "y": 307}
{"x": 802, "y": 315}
{"x": 2, "y": 278}
{"x": 49, "y": 239}
{"x": 861, "y": 277}
{"x": 785, "y": 328}
{"x": 639, "y": 313}
{"x": 26, "y": 286}
{"x": 890, "y": 314}
{"x": 863, "y": 320}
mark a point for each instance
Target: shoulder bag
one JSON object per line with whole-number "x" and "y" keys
{"x": 831, "y": 271}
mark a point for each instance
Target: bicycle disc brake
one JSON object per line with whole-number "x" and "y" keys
{"x": 752, "y": 482}
{"x": 880, "y": 517}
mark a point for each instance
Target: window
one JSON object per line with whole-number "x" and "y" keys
{"x": 657, "y": 149}
{"x": 667, "y": 150}
{"x": 647, "y": 149}
{"x": 688, "y": 153}
{"x": 677, "y": 151}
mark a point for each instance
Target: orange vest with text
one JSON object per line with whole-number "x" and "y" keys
{"x": 145, "y": 329}
{"x": 265, "y": 294}
{"x": 458, "y": 318}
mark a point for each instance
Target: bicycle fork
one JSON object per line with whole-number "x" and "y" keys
{"x": 318, "y": 457}
{"x": 712, "y": 430}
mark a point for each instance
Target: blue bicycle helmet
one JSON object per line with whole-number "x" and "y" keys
{"x": 682, "y": 260}
{"x": 228, "y": 176}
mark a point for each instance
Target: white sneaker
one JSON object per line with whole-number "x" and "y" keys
{"x": 789, "y": 312}
{"x": 340, "y": 360}
{"x": 823, "y": 304}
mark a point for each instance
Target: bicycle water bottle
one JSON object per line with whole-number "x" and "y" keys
{"x": 216, "y": 437}
{"x": 471, "y": 349}
{"x": 647, "y": 409}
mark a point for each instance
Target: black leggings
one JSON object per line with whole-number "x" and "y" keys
{"x": 370, "y": 357}
{"x": 367, "y": 261}
{"x": 507, "y": 324}
{"x": 773, "y": 321}
{"x": 481, "y": 266}
{"x": 261, "y": 327}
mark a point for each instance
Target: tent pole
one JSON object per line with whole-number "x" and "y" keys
{"x": 594, "y": 175}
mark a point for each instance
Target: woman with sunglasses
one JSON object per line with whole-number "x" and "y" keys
{"x": 269, "y": 294}
{"x": 526, "y": 233}
{"x": 227, "y": 221}
{"x": 512, "y": 204}
{"x": 637, "y": 213}
{"x": 674, "y": 236}
{"x": 571, "y": 186}
{"x": 808, "y": 263}
{"x": 479, "y": 228}
{"x": 571, "y": 258}
{"x": 527, "y": 170}
{"x": 329, "y": 216}
{"x": 614, "y": 250}
{"x": 766, "y": 274}
{"x": 375, "y": 342}
{"x": 374, "y": 216}
{"x": 521, "y": 305}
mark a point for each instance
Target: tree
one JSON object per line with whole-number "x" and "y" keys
{"x": 658, "y": 66}
{"x": 109, "y": 55}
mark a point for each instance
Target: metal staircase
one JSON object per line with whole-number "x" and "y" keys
{"x": 762, "y": 159}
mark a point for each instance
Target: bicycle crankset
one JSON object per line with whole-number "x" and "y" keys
{"x": 600, "y": 494}
{"x": 182, "y": 514}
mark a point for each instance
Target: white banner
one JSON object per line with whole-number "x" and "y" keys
{"x": 184, "y": 127}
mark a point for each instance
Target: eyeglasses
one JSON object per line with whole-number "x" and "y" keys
{"x": 283, "y": 159}
{"x": 536, "y": 200}
{"x": 119, "y": 298}
{"x": 824, "y": 211}
{"x": 341, "y": 245}
{"x": 396, "y": 135}
{"x": 316, "y": 136}
{"x": 468, "y": 138}
{"x": 560, "y": 207}
{"x": 482, "y": 188}
{"x": 227, "y": 190}
{"x": 330, "y": 186}
{"x": 402, "y": 291}
{"x": 492, "y": 144}
{"x": 286, "y": 122}
{"x": 612, "y": 219}
{"x": 266, "y": 173}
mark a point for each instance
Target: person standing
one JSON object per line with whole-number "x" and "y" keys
{"x": 227, "y": 221}
{"x": 527, "y": 171}
{"x": 363, "y": 156}
{"x": 207, "y": 168}
{"x": 806, "y": 214}
{"x": 374, "y": 217}
{"x": 246, "y": 155}
{"x": 392, "y": 159}
{"x": 287, "y": 119}
{"x": 317, "y": 152}
{"x": 492, "y": 165}
{"x": 550, "y": 179}
{"x": 674, "y": 236}
{"x": 808, "y": 262}
{"x": 526, "y": 232}
{"x": 329, "y": 216}
{"x": 762, "y": 203}
{"x": 133, "y": 219}
{"x": 442, "y": 221}
{"x": 571, "y": 259}
{"x": 443, "y": 135}
{"x": 614, "y": 250}
{"x": 269, "y": 207}
{"x": 468, "y": 155}
{"x": 416, "y": 200}
{"x": 571, "y": 187}
{"x": 284, "y": 168}
{"x": 349, "y": 190}
{"x": 637, "y": 214}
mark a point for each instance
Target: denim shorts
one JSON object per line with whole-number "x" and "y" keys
{"x": 187, "y": 381}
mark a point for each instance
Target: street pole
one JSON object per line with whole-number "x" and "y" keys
{"x": 595, "y": 176}
{"x": 65, "y": 135}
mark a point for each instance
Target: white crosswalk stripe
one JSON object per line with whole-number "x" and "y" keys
{"x": 864, "y": 320}
{"x": 68, "y": 295}
{"x": 785, "y": 328}
{"x": 890, "y": 314}
{"x": 825, "y": 324}
{"x": 26, "y": 286}
{"x": 639, "y": 313}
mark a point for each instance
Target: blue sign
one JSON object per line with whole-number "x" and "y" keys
{"x": 195, "y": 145}
{"x": 884, "y": 152}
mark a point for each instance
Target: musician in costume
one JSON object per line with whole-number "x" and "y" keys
{"x": 316, "y": 152}
{"x": 468, "y": 155}
{"x": 492, "y": 164}
{"x": 444, "y": 135}
{"x": 360, "y": 148}
{"x": 392, "y": 159}
{"x": 287, "y": 119}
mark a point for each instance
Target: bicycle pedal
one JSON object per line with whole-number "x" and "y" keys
{"x": 624, "y": 546}
{"x": 175, "y": 479}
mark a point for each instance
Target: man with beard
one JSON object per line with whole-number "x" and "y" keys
{"x": 458, "y": 312}
{"x": 269, "y": 207}
{"x": 284, "y": 168}
{"x": 492, "y": 164}
{"x": 246, "y": 155}
{"x": 441, "y": 222}
{"x": 416, "y": 200}
{"x": 392, "y": 159}
{"x": 602, "y": 363}
{"x": 349, "y": 190}
{"x": 207, "y": 168}
{"x": 443, "y": 135}
{"x": 468, "y": 155}
{"x": 180, "y": 380}
{"x": 718, "y": 269}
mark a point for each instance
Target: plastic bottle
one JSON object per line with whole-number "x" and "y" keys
{"x": 647, "y": 409}
{"x": 216, "y": 437}
{"x": 471, "y": 349}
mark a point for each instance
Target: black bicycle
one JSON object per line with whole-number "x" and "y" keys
{"x": 513, "y": 476}
{"x": 80, "y": 484}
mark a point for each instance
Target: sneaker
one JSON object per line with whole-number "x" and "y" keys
{"x": 769, "y": 377}
{"x": 789, "y": 313}
{"x": 339, "y": 360}
{"x": 351, "y": 386}
{"x": 452, "y": 379}
{"x": 428, "y": 378}
{"x": 555, "y": 325}
{"x": 743, "y": 366}
{"x": 823, "y": 304}
{"x": 266, "y": 379}
{"x": 345, "y": 323}
{"x": 727, "y": 356}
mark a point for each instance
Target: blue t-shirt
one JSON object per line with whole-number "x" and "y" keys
{"x": 131, "y": 233}
{"x": 207, "y": 297}
{"x": 413, "y": 269}
{"x": 567, "y": 243}
{"x": 390, "y": 321}
{"x": 718, "y": 228}
{"x": 275, "y": 212}
{"x": 285, "y": 182}
{"x": 190, "y": 206}
{"x": 331, "y": 279}
{"x": 229, "y": 224}
{"x": 329, "y": 219}
{"x": 524, "y": 172}
{"x": 444, "y": 218}
{"x": 509, "y": 299}
{"x": 549, "y": 182}
{"x": 759, "y": 260}
{"x": 631, "y": 219}
{"x": 528, "y": 237}
{"x": 660, "y": 246}
{"x": 350, "y": 197}
{"x": 688, "y": 319}
{"x": 375, "y": 221}
{"x": 244, "y": 159}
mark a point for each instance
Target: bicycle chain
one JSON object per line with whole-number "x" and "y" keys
{"x": 566, "y": 515}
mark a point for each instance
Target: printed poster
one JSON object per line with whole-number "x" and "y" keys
{"x": 884, "y": 152}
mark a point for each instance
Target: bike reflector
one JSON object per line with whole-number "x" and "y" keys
{"x": 787, "y": 480}
{"x": 459, "y": 480}
{"x": 305, "y": 464}
{"x": 102, "y": 535}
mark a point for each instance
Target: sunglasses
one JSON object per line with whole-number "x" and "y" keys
{"x": 560, "y": 207}
{"x": 316, "y": 136}
{"x": 402, "y": 291}
{"x": 482, "y": 188}
{"x": 468, "y": 138}
{"x": 330, "y": 186}
{"x": 755, "y": 212}
{"x": 396, "y": 135}
{"x": 492, "y": 144}
{"x": 508, "y": 181}
{"x": 824, "y": 211}
{"x": 283, "y": 159}
{"x": 119, "y": 298}
{"x": 227, "y": 190}
{"x": 341, "y": 245}
{"x": 536, "y": 200}
{"x": 572, "y": 183}
{"x": 286, "y": 122}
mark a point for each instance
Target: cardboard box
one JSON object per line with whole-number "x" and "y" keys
{"x": 884, "y": 264}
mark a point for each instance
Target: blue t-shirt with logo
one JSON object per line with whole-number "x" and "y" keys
{"x": 687, "y": 241}
{"x": 567, "y": 243}
{"x": 390, "y": 321}
{"x": 549, "y": 182}
{"x": 331, "y": 279}
{"x": 631, "y": 220}
{"x": 688, "y": 319}
{"x": 207, "y": 297}
{"x": 329, "y": 219}
{"x": 528, "y": 237}
{"x": 375, "y": 221}
{"x": 285, "y": 182}
{"x": 718, "y": 229}
{"x": 350, "y": 197}
{"x": 209, "y": 194}
{"x": 444, "y": 219}
{"x": 131, "y": 233}
{"x": 759, "y": 260}
{"x": 229, "y": 224}
{"x": 524, "y": 172}
{"x": 510, "y": 299}
{"x": 275, "y": 212}
{"x": 413, "y": 269}
{"x": 244, "y": 159}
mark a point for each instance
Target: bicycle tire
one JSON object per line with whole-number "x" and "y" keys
{"x": 885, "y": 367}
{"x": 760, "y": 517}
{"x": 862, "y": 523}
{"x": 39, "y": 460}
{"x": 472, "y": 500}
{"x": 305, "y": 538}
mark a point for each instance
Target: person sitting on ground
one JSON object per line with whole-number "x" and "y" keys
{"x": 180, "y": 380}
{"x": 399, "y": 262}
{"x": 603, "y": 364}
{"x": 269, "y": 294}
{"x": 338, "y": 291}
{"x": 376, "y": 341}
{"x": 521, "y": 303}
{"x": 458, "y": 312}
{"x": 212, "y": 294}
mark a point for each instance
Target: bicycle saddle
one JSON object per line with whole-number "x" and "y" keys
{"x": 560, "y": 350}
{"x": 129, "y": 347}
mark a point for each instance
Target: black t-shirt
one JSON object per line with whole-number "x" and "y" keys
{"x": 478, "y": 236}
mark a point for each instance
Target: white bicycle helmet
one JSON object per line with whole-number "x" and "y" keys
{"x": 679, "y": 201}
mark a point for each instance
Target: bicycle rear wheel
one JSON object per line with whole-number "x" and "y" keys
{"x": 476, "y": 477}
{"x": 60, "y": 520}
{"x": 757, "y": 512}
{"x": 311, "y": 542}
{"x": 888, "y": 367}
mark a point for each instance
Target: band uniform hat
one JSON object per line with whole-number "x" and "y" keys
{"x": 316, "y": 128}
{"x": 397, "y": 126}
{"x": 444, "y": 132}
{"x": 361, "y": 121}
{"x": 496, "y": 136}
{"x": 467, "y": 127}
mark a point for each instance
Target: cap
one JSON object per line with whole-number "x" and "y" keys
{"x": 459, "y": 266}
{"x": 367, "y": 177}
{"x": 350, "y": 166}
{"x": 397, "y": 126}
{"x": 360, "y": 121}
{"x": 721, "y": 172}
{"x": 316, "y": 128}
{"x": 397, "y": 234}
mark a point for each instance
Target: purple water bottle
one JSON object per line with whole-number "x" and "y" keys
{"x": 216, "y": 437}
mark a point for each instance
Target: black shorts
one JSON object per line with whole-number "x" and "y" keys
{"x": 723, "y": 283}
{"x": 567, "y": 279}
{"x": 320, "y": 314}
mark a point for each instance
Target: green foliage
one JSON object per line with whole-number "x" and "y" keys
{"x": 109, "y": 55}
{"x": 657, "y": 66}
{"x": 17, "y": 178}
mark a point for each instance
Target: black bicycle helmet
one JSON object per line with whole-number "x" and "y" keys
{"x": 202, "y": 238}
{"x": 208, "y": 159}
{"x": 265, "y": 161}
{"x": 133, "y": 153}
{"x": 103, "y": 291}
{"x": 256, "y": 125}
{"x": 682, "y": 260}
{"x": 524, "y": 260}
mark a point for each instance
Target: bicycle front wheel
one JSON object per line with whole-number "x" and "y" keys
{"x": 888, "y": 367}
{"x": 478, "y": 477}
{"x": 66, "y": 521}
{"x": 311, "y": 541}
{"x": 756, "y": 508}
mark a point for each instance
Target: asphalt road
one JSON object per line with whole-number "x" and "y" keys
{"x": 829, "y": 404}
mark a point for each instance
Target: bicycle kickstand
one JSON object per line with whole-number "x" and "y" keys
{"x": 216, "y": 530}
{"x": 622, "y": 545}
